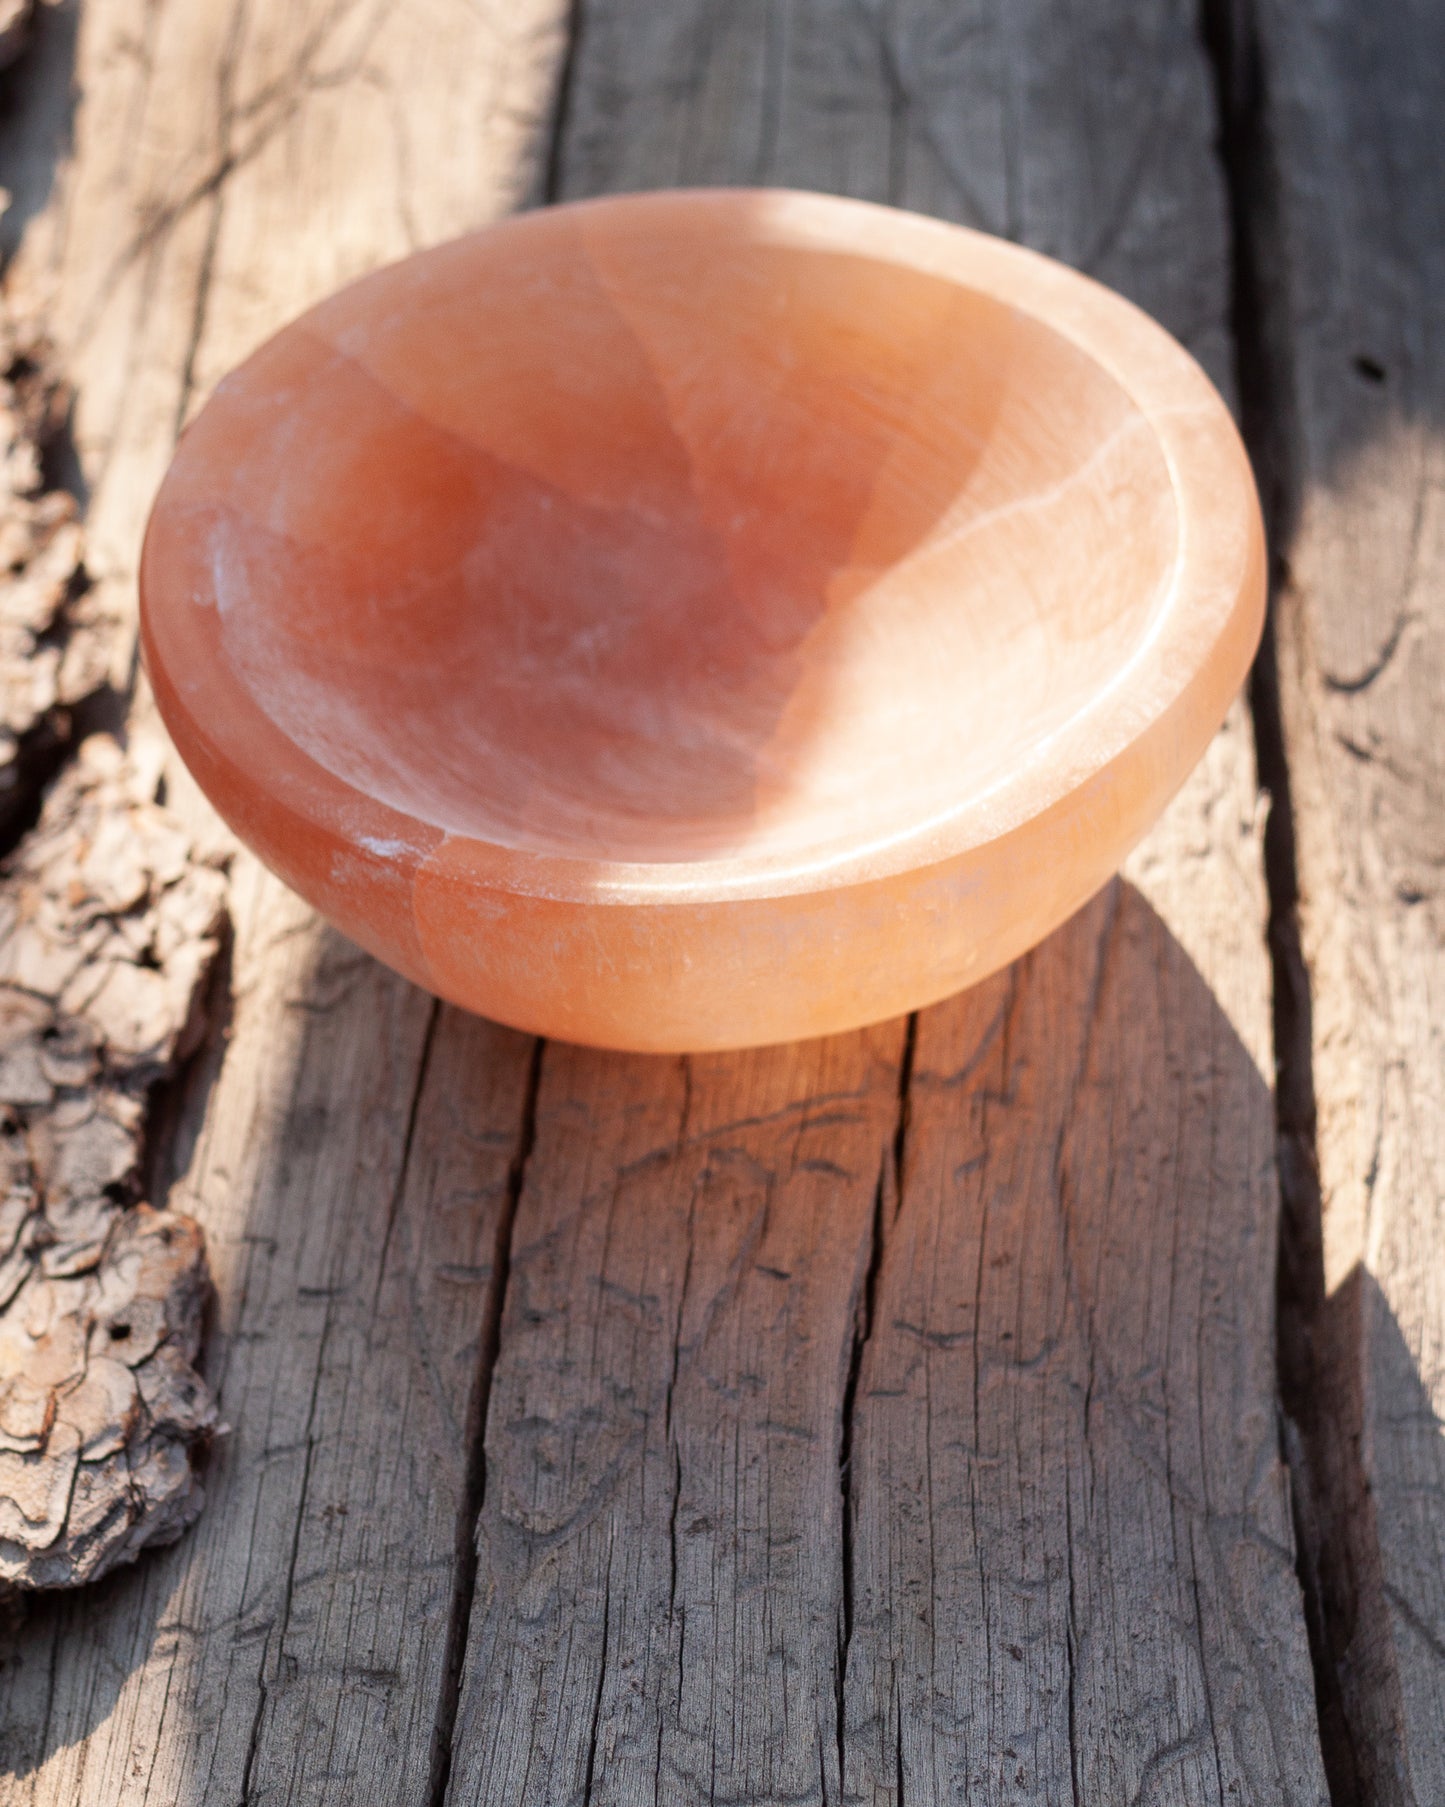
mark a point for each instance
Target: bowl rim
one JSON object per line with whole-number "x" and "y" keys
{"x": 1216, "y": 578}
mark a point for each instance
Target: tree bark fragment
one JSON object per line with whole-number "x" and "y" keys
{"x": 54, "y": 652}
{"x": 108, "y": 933}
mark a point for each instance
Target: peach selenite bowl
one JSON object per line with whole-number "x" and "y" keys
{"x": 692, "y": 620}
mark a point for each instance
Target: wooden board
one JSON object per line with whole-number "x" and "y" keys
{"x": 659, "y": 1545}
{"x": 862, "y": 1423}
{"x": 230, "y": 164}
{"x": 1045, "y": 1420}
{"x": 1063, "y": 1560}
{"x": 1351, "y": 250}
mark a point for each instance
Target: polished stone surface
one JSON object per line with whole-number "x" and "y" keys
{"x": 692, "y": 620}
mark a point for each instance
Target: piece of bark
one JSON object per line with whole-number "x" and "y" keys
{"x": 53, "y": 645}
{"x": 108, "y": 931}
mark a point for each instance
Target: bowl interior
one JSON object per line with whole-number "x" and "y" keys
{"x": 658, "y": 537}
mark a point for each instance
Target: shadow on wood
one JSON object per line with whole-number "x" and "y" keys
{"x": 37, "y": 117}
{"x": 827, "y": 1489}
{"x": 821, "y": 1436}
{"x": 1330, "y": 142}
{"x": 1370, "y": 1453}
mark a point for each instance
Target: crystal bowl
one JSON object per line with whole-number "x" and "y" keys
{"x": 700, "y": 619}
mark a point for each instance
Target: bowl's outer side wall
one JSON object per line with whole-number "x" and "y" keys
{"x": 599, "y": 963}
{"x": 677, "y": 975}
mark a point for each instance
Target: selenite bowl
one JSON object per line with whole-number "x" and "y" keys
{"x": 699, "y": 619}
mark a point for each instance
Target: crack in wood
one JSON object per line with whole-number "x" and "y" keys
{"x": 557, "y": 133}
{"x": 474, "y": 1486}
{"x": 1265, "y": 381}
{"x": 595, "y": 1726}
{"x": 890, "y": 1181}
{"x": 1377, "y": 667}
{"x": 283, "y": 1619}
{"x": 225, "y": 95}
{"x": 423, "y": 1065}
{"x": 862, "y": 1330}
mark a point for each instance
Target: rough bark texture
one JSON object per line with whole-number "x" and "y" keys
{"x": 108, "y": 930}
{"x": 53, "y": 650}
{"x": 1349, "y": 242}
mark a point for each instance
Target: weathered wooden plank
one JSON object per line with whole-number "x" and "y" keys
{"x": 1351, "y": 254}
{"x": 359, "y": 1665}
{"x": 659, "y": 1586}
{"x": 1074, "y": 1563}
{"x": 230, "y": 163}
{"x": 233, "y": 163}
{"x": 114, "y": 257}
{"x": 361, "y": 132}
{"x": 1086, "y": 134}
{"x": 1098, "y": 1601}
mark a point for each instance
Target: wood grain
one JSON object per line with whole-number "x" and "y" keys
{"x": 658, "y": 1594}
{"x": 1352, "y": 254}
{"x": 1074, "y": 1563}
{"x": 358, "y": 1663}
{"x": 232, "y": 163}
{"x": 229, "y": 164}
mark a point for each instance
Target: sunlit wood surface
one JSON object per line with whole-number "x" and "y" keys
{"x": 904, "y": 1418}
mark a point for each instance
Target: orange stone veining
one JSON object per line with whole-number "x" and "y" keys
{"x": 694, "y": 620}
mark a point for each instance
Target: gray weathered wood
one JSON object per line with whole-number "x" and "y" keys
{"x": 233, "y": 163}
{"x": 657, "y": 1612}
{"x": 1352, "y": 252}
{"x": 356, "y": 1666}
{"x": 230, "y": 163}
{"x": 1073, "y": 1563}
{"x": 1064, "y": 1565}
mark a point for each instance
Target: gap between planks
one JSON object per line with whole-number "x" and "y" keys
{"x": 1229, "y": 33}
